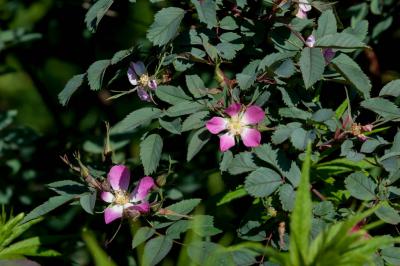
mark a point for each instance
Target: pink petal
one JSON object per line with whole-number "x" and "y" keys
{"x": 233, "y": 109}
{"x": 142, "y": 189}
{"x": 216, "y": 124}
{"x": 304, "y": 5}
{"x": 367, "y": 128}
{"x": 251, "y": 137}
{"x": 310, "y": 41}
{"x": 113, "y": 213}
{"x": 119, "y": 177}
{"x": 329, "y": 54}
{"x": 226, "y": 142}
{"x": 253, "y": 115}
{"x": 152, "y": 84}
{"x": 143, "y": 94}
{"x": 362, "y": 137}
{"x": 143, "y": 207}
{"x": 301, "y": 14}
{"x": 107, "y": 196}
{"x": 139, "y": 67}
{"x": 132, "y": 76}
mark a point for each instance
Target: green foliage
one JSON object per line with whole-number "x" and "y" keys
{"x": 11, "y": 229}
{"x": 165, "y": 25}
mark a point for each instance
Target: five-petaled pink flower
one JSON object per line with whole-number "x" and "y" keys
{"x": 328, "y": 53}
{"x": 238, "y": 123}
{"x": 303, "y": 9}
{"x": 121, "y": 200}
{"x": 138, "y": 76}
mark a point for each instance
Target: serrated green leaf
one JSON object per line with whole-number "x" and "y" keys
{"x": 95, "y": 74}
{"x": 156, "y": 249}
{"x": 184, "y": 108}
{"x": 174, "y": 126}
{"x": 391, "y": 255}
{"x": 96, "y": 13}
{"x": 341, "y": 40}
{"x": 171, "y": 94}
{"x": 136, "y": 118}
{"x": 312, "y": 65}
{"x": 361, "y": 186}
{"x": 382, "y": 107}
{"x": 175, "y": 230}
{"x": 294, "y": 112}
{"x": 70, "y": 88}
{"x": 150, "y": 153}
{"x": 240, "y": 192}
{"x": 195, "y": 121}
{"x": 262, "y": 182}
{"x": 195, "y": 85}
{"x": 353, "y": 74}
{"x": 196, "y": 142}
{"x": 88, "y": 201}
{"x": 388, "y": 214}
{"x": 242, "y": 163}
{"x": 228, "y": 23}
{"x": 47, "y": 206}
{"x": 248, "y": 76}
{"x": 142, "y": 235}
{"x": 391, "y": 89}
{"x": 165, "y": 26}
{"x": 207, "y": 11}
{"x": 203, "y": 225}
{"x": 182, "y": 208}
{"x": 326, "y": 24}
{"x": 287, "y": 197}
{"x": 283, "y": 132}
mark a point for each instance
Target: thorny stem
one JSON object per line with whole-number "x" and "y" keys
{"x": 318, "y": 194}
{"x": 266, "y": 245}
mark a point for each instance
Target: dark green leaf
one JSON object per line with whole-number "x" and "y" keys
{"x": 171, "y": 94}
{"x": 207, "y": 11}
{"x": 136, "y": 118}
{"x": 96, "y": 13}
{"x": 48, "y": 206}
{"x": 95, "y": 74}
{"x": 312, "y": 65}
{"x": 156, "y": 249}
{"x": 353, "y": 73}
{"x": 142, "y": 235}
{"x": 360, "y": 186}
{"x": 70, "y": 88}
{"x": 150, "y": 153}
{"x": 196, "y": 142}
{"x": 262, "y": 182}
{"x": 165, "y": 26}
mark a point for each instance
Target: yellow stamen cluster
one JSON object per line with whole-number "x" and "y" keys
{"x": 356, "y": 129}
{"x": 121, "y": 198}
{"x": 235, "y": 126}
{"x": 144, "y": 80}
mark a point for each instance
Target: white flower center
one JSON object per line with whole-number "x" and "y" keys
{"x": 121, "y": 198}
{"x": 235, "y": 126}
{"x": 144, "y": 80}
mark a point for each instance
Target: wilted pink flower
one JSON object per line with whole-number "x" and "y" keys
{"x": 137, "y": 75}
{"x": 237, "y": 124}
{"x": 328, "y": 53}
{"x": 121, "y": 200}
{"x": 358, "y": 130}
{"x": 303, "y": 9}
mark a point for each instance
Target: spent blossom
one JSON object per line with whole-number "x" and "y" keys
{"x": 303, "y": 8}
{"x": 121, "y": 201}
{"x": 328, "y": 53}
{"x": 238, "y": 122}
{"x": 138, "y": 77}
